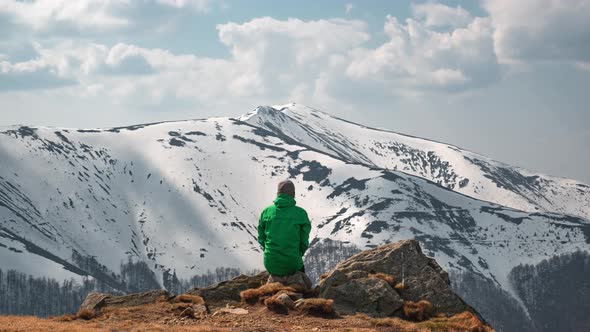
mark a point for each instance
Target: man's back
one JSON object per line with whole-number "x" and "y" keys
{"x": 283, "y": 232}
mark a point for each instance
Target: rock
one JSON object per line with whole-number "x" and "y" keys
{"x": 136, "y": 299}
{"x": 94, "y": 301}
{"x": 423, "y": 279}
{"x": 371, "y": 296}
{"x": 187, "y": 312}
{"x": 298, "y": 280}
{"x": 200, "y": 309}
{"x": 229, "y": 290}
{"x": 285, "y": 300}
{"x": 280, "y": 303}
{"x": 233, "y": 311}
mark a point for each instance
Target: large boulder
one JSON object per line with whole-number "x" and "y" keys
{"x": 422, "y": 279}
{"x": 354, "y": 292}
{"x": 229, "y": 290}
{"x": 96, "y": 301}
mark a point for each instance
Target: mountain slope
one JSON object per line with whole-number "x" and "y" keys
{"x": 185, "y": 197}
{"x": 454, "y": 168}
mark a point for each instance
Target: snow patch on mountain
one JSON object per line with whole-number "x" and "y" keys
{"x": 449, "y": 166}
{"x": 184, "y": 197}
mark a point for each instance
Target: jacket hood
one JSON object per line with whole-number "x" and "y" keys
{"x": 284, "y": 200}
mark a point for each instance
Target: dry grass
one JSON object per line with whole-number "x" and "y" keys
{"x": 160, "y": 317}
{"x": 86, "y": 314}
{"x": 187, "y": 298}
{"x": 177, "y": 307}
{"x": 26, "y": 324}
{"x": 396, "y": 324}
{"x": 400, "y": 286}
{"x": 64, "y": 318}
{"x": 388, "y": 278}
{"x": 275, "y": 305}
{"x": 316, "y": 307}
{"x": 417, "y": 311}
{"x": 251, "y": 296}
{"x": 162, "y": 298}
{"x": 463, "y": 322}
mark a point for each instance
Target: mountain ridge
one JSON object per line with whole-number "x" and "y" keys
{"x": 390, "y": 151}
{"x": 183, "y": 197}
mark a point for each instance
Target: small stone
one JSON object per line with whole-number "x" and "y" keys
{"x": 286, "y": 300}
{"x": 236, "y": 311}
{"x": 188, "y": 312}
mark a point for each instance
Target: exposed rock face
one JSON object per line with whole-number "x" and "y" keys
{"x": 230, "y": 290}
{"x": 298, "y": 280}
{"x": 372, "y": 296}
{"x": 136, "y": 299}
{"x": 350, "y": 285}
{"x": 96, "y": 301}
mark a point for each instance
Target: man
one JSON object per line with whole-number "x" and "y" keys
{"x": 283, "y": 233}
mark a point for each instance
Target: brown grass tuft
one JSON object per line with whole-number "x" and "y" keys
{"x": 86, "y": 314}
{"x": 187, "y": 298}
{"x": 180, "y": 306}
{"x": 388, "y": 278}
{"x": 64, "y": 318}
{"x": 463, "y": 322}
{"x": 251, "y": 296}
{"x": 400, "y": 286}
{"x": 162, "y": 298}
{"x": 275, "y": 305}
{"x": 418, "y": 311}
{"x": 316, "y": 307}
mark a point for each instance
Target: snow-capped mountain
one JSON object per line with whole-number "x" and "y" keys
{"x": 452, "y": 167}
{"x": 185, "y": 196}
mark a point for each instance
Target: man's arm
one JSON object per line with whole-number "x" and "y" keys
{"x": 304, "y": 240}
{"x": 262, "y": 230}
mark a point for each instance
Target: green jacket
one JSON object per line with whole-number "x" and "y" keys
{"x": 283, "y": 233}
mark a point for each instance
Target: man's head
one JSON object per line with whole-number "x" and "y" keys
{"x": 286, "y": 187}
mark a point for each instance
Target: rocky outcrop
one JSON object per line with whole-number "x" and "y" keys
{"x": 392, "y": 280}
{"x": 96, "y": 301}
{"x": 360, "y": 293}
{"x": 419, "y": 278}
{"x": 230, "y": 290}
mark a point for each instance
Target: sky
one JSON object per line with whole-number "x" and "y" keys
{"x": 507, "y": 79}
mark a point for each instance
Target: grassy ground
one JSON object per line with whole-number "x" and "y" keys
{"x": 164, "y": 317}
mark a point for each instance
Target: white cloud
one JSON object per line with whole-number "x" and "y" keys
{"x": 439, "y": 50}
{"x": 198, "y": 5}
{"x": 348, "y": 8}
{"x": 50, "y": 15}
{"x": 439, "y": 15}
{"x": 278, "y": 60}
{"x": 28, "y": 75}
{"x": 282, "y": 54}
{"x": 417, "y": 57}
{"x": 42, "y": 14}
{"x": 541, "y": 30}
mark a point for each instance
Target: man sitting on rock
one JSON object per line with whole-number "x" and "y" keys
{"x": 283, "y": 233}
